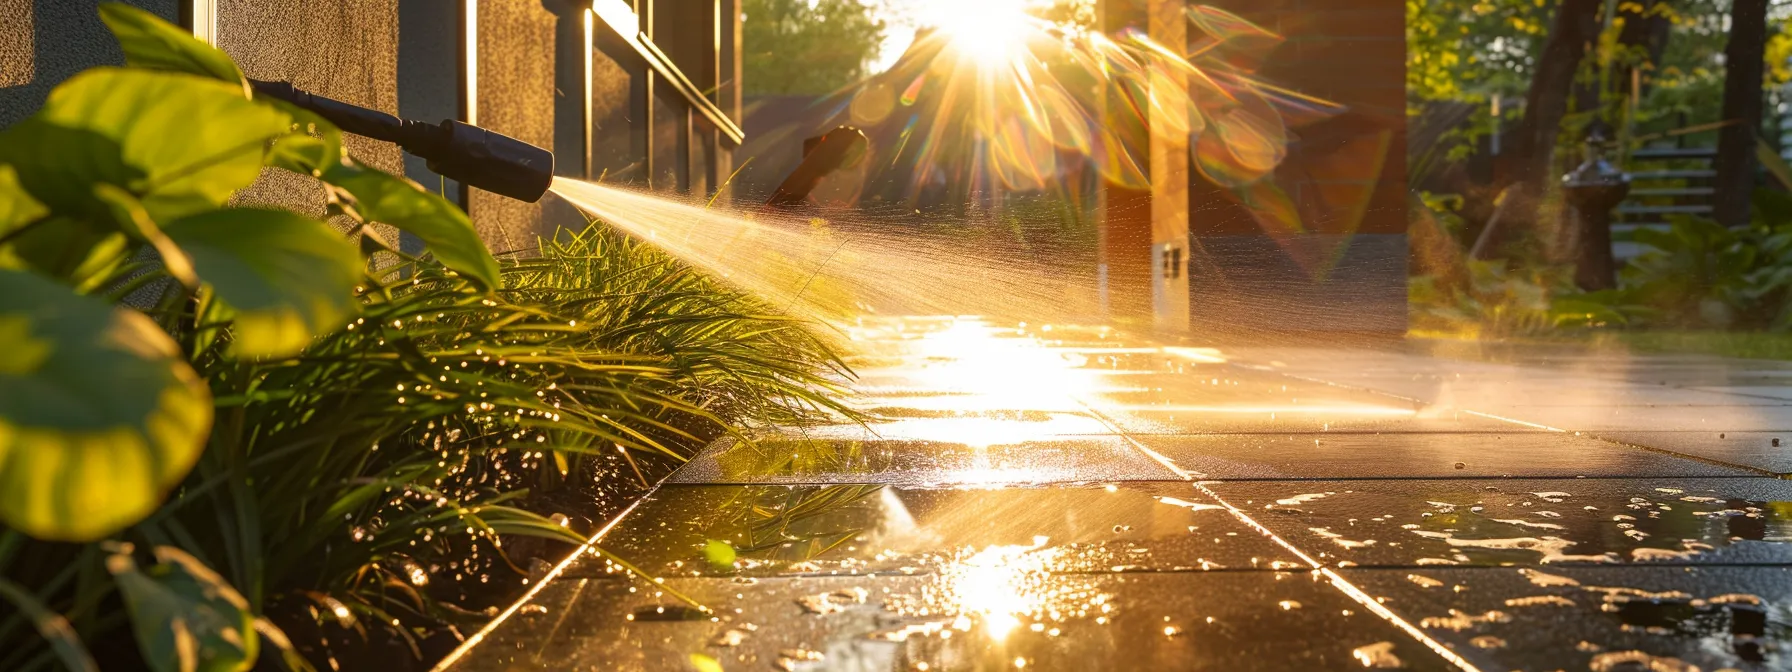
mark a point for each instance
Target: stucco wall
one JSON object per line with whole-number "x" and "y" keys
{"x": 342, "y": 49}
{"x": 516, "y": 98}
{"x": 43, "y": 42}
{"x": 399, "y": 56}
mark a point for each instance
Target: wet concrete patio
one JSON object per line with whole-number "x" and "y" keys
{"x": 1056, "y": 498}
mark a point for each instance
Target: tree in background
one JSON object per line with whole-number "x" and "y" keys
{"x": 1468, "y": 51}
{"x": 1744, "y": 65}
{"x": 1642, "y": 38}
{"x": 1471, "y": 50}
{"x": 1574, "y": 28}
{"x": 806, "y": 46}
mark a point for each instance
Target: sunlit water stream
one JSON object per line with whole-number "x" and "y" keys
{"x": 831, "y": 271}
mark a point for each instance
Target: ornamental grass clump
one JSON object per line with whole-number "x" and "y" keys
{"x": 290, "y": 430}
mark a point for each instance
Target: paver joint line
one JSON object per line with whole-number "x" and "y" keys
{"x": 1235, "y": 453}
{"x": 1339, "y": 582}
{"x": 477, "y": 637}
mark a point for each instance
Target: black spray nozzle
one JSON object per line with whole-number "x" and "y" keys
{"x": 458, "y": 151}
{"x": 491, "y": 161}
{"x": 841, "y": 147}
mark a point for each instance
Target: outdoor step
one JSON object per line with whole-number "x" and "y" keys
{"x": 1674, "y": 153}
{"x": 1664, "y": 209}
{"x": 1624, "y": 234}
{"x": 1671, "y": 174}
{"x": 1674, "y": 191}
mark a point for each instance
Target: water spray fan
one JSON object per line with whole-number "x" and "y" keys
{"x": 456, "y": 150}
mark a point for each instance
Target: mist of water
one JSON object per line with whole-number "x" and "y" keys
{"x": 838, "y": 270}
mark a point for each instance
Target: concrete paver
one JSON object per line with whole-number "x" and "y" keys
{"x": 1071, "y": 499}
{"x": 1067, "y": 459}
{"x": 1593, "y": 618}
{"x": 1419, "y": 455}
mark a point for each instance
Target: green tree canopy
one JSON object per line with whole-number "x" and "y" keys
{"x": 806, "y": 46}
{"x": 1468, "y": 51}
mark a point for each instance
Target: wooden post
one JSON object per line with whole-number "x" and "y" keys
{"x": 1124, "y": 233}
{"x": 1143, "y": 230}
{"x": 1169, "y": 171}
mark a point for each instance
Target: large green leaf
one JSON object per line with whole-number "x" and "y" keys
{"x": 183, "y": 143}
{"x": 59, "y": 166}
{"x": 313, "y": 147}
{"x": 82, "y": 252}
{"x": 187, "y": 618}
{"x": 98, "y": 415}
{"x": 443, "y": 228}
{"x": 17, "y": 207}
{"x": 288, "y": 279}
{"x": 149, "y": 42}
{"x": 129, "y": 215}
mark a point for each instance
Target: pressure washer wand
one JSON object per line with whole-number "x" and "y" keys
{"x": 469, "y": 154}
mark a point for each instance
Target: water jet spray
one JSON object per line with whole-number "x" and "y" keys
{"x": 456, "y": 150}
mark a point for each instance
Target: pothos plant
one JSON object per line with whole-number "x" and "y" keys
{"x": 120, "y": 187}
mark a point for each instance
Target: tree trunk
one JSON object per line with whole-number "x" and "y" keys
{"x": 1744, "y": 63}
{"x": 1575, "y": 27}
{"x": 1645, "y": 29}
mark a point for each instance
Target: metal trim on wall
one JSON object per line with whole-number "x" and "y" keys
{"x": 469, "y": 64}
{"x": 201, "y": 16}
{"x": 620, "y": 18}
{"x": 699, "y": 102}
{"x": 590, "y": 27}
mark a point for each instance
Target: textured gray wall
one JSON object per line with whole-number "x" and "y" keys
{"x": 399, "y": 56}
{"x": 43, "y": 42}
{"x": 342, "y": 49}
{"x": 18, "y": 62}
{"x": 516, "y": 98}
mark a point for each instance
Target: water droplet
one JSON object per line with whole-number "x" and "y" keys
{"x": 1379, "y": 655}
{"x": 1626, "y": 660}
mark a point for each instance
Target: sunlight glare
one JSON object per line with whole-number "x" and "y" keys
{"x": 999, "y": 585}
{"x": 989, "y": 33}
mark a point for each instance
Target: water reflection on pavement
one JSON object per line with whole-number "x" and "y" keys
{"x": 1058, "y": 497}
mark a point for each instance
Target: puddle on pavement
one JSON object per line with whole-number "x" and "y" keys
{"x": 1418, "y": 455}
{"x": 1600, "y": 618}
{"x": 922, "y": 463}
{"x": 866, "y": 529}
{"x": 1525, "y": 522}
{"x": 994, "y": 609}
{"x": 972, "y": 429}
{"x": 935, "y": 574}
